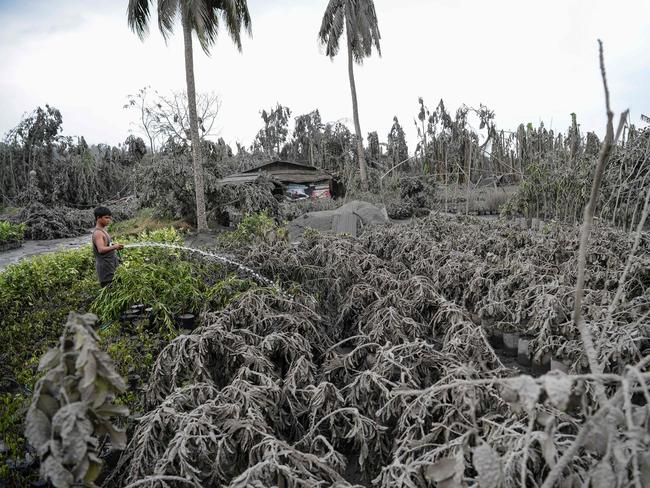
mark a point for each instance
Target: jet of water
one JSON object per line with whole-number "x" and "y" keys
{"x": 212, "y": 256}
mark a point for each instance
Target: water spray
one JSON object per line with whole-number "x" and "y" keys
{"x": 212, "y": 256}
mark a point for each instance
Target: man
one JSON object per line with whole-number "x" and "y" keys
{"x": 104, "y": 250}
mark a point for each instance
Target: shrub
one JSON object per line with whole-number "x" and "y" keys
{"x": 496, "y": 200}
{"x": 254, "y": 228}
{"x": 72, "y": 406}
{"x": 145, "y": 220}
{"x": 11, "y": 233}
{"x": 36, "y": 296}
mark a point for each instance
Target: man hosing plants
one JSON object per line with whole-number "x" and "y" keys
{"x": 106, "y": 260}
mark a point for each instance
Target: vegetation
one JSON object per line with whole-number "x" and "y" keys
{"x": 557, "y": 188}
{"x": 36, "y": 296}
{"x": 379, "y": 369}
{"x": 11, "y": 233}
{"x": 201, "y": 17}
{"x": 72, "y": 406}
{"x": 254, "y": 228}
{"x": 146, "y": 220}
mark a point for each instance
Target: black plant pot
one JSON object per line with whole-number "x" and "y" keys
{"x": 187, "y": 321}
{"x": 131, "y": 317}
{"x": 151, "y": 318}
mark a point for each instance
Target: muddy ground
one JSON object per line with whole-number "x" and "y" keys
{"x": 34, "y": 248}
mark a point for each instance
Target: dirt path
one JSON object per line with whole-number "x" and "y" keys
{"x": 34, "y": 248}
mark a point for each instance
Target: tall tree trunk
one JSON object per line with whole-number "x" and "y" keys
{"x": 424, "y": 147}
{"x": 201, "y": 221}
{"x": 363, "y": 172}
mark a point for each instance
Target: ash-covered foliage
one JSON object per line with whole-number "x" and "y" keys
{"x": 415, "y": 196}
{"x": 558, "y": 187}
{"x": 72, "y": 406}
{"x": 379, "y": 371}
{"x": 165, "y": 181}
{"x": 44, "y": 221}
{"x": 241, "y": 200}
{"x": 41, "y": 165}
{"x": 525, "y": 281}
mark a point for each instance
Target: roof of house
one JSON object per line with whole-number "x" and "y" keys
{"x": 278, "y": 164}
{"x": 282, "y": 171}
{"x": 241, "y": 178}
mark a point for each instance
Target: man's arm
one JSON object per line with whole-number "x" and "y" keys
{"x": 99, "y": 239}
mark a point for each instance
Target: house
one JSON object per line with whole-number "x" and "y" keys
{"x": 297, "y": 181}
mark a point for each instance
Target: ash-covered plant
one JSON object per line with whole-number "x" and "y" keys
{"x": 412, "y": 195}
{"x": 247, "y": 199}
{"x": 72, "y": 406}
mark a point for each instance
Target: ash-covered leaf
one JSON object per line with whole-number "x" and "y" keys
{"x": 81, "y": 468}
{"x": 571, "y": 481}
{"x": 53, "y": 470}
{"x": 450, "y": 483}
{"x": 118, "y": 437}
{"x": 47, "y": 404}
{"x": 440, "y": 470}
{"x": 38, "y": 430}
{"x": 65, "y": 419}
{"x": 558, "y": 388}
{"x": 74, "y": 448}
{"x": 548, "y": 449}
{"x": 596, "y": 440}
{"x": 110, "y": 410}
{"x": 644, "y": 468}
{"x": 49, "y": 359}
{"x": 488, "y": 465}
{"x": 603, "y": 476}
{"x": 90, "y": 372}
{"x": 106, "y": 368}
{"x": 526, "y": 389}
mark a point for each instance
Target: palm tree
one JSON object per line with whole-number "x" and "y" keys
{"x": 201, "y": 17}
{"x": 362, "y": 31}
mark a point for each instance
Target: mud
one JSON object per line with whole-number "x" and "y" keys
{"x": 30, "y": 249}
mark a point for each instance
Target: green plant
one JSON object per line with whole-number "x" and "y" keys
{"x": 72, "y": 406}
{"x": 35, "y": 298}
{"x": 165, "y": 280}
{"x": 159, "y": 279}
{"x": 146, "y": 220}
{"x": 253, "y": 228}
{"x": 12, "y": 407}
{"x": 10, "y": 233}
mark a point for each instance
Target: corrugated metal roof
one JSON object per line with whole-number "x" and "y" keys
{"x": 269, "y": 166}
{"x": 281, "y": 171}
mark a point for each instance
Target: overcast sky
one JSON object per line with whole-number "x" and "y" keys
{"x": 529, "y": 61}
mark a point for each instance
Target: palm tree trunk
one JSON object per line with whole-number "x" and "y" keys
{"x": 201, "y": 221}
{"x": 363, "y": 172}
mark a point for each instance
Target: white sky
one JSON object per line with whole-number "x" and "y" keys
{"x": 529, "y": 61}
